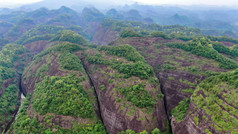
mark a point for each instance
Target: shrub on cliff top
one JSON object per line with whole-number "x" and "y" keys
{"x": 130, "y": 33}
{"x": 70, "y": 36}
{"x": 63, "y": 95}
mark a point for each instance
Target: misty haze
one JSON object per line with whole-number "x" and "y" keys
{"x": 118, "y": 67}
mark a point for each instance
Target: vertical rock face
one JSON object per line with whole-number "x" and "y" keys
{"x": 37, "y": 46}
{"x": 173, "y": 67}
{"x": 104, "y": 36}
{"x": 126, "y": 102}
{"x": 188, "y": 125}
{"x": 60, "y": 97}
{"x": 213, "y": 108}
{"x": 34, "y": 72}
{"x": 179, "y": 73}
{"x": 172, "y": 88}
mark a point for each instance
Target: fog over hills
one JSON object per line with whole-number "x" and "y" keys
{"x": 104, "y": 4}
{"x": 212, "y": 20}
{"x": 77, "y": 5}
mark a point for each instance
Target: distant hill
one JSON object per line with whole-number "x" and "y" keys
{"x": 211, "y": 20}
{"x": 76, "y": 4}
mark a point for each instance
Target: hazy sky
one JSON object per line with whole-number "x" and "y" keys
{"x": 11, "y": 3}
{"x": 192, "y": 2}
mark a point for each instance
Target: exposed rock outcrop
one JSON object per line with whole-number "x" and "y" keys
{"x": 174, "y": 68}
{"x": 119, "y": 113}
{"x": 55, "y": 66}
{"x": 104, "y": 36}
{"x": 213, "y": 108}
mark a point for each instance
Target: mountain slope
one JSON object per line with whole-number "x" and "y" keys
{"x": 145, "y": 79}
{"x": 10, "y": 71}
{"x": 129, "y": 93}
{"x": 213, "y": 107}
{"x": 178, "y": 71}
{"x": 69, "y": 103}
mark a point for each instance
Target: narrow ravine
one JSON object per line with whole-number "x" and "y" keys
{"x": 92, "y": 84}
{"x": 165, "y": 106}
{"x": 21, "y": 101}
{"x": 22, "y": 97}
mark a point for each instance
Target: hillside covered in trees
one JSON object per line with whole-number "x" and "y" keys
{"x": 67, "y": 72}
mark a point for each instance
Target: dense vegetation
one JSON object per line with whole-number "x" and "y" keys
{"x": 37, "y": 38}
{"x": 10, "y": 53}
{"x": 27, "y": 124}
{"x": 98, "y": 59}
{"x": 40, "y": 32}
{"x": 138, "y": 67}
{"x": 64, "y": 48}
{"x": 129, "y": 131}
{"x": 223, "y": 38}
{"x": 181, "y": 110}
{"x": 203, "y": 47}
{"x": 140, "y": 29}
{"x": 8, "y": 103}
{"x": 69, "y": 36}
{"x": 226, "y": 50}
{"x": 63, "y": 95}
{"x": 159, "y": 34}
{"x": 217, "y": 96}
{"x": 47, "y": 32}
{"x": 8, "y": 56}
{"x": 127, "y": 51}
{"x": 6, "y": 73}
{"x": 130, "y": 33}
{"x": 138, "y": 96}
{"x": 71, "y": 62}
{"x": 9, "y": 95}
{"x": 128, "y": 62}
{"x": 24, "y": 124}
{"x": 136, "y": 28}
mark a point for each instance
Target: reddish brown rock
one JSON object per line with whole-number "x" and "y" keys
{"x": 104, "y": 36}
{"x": 117, "y": 113}
{"x": 37, "y": 46}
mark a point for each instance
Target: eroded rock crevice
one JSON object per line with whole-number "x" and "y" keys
{"x": 165, "y": 105}
{"x": 18, "y": 108}
{"x": 92, "y": 84}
